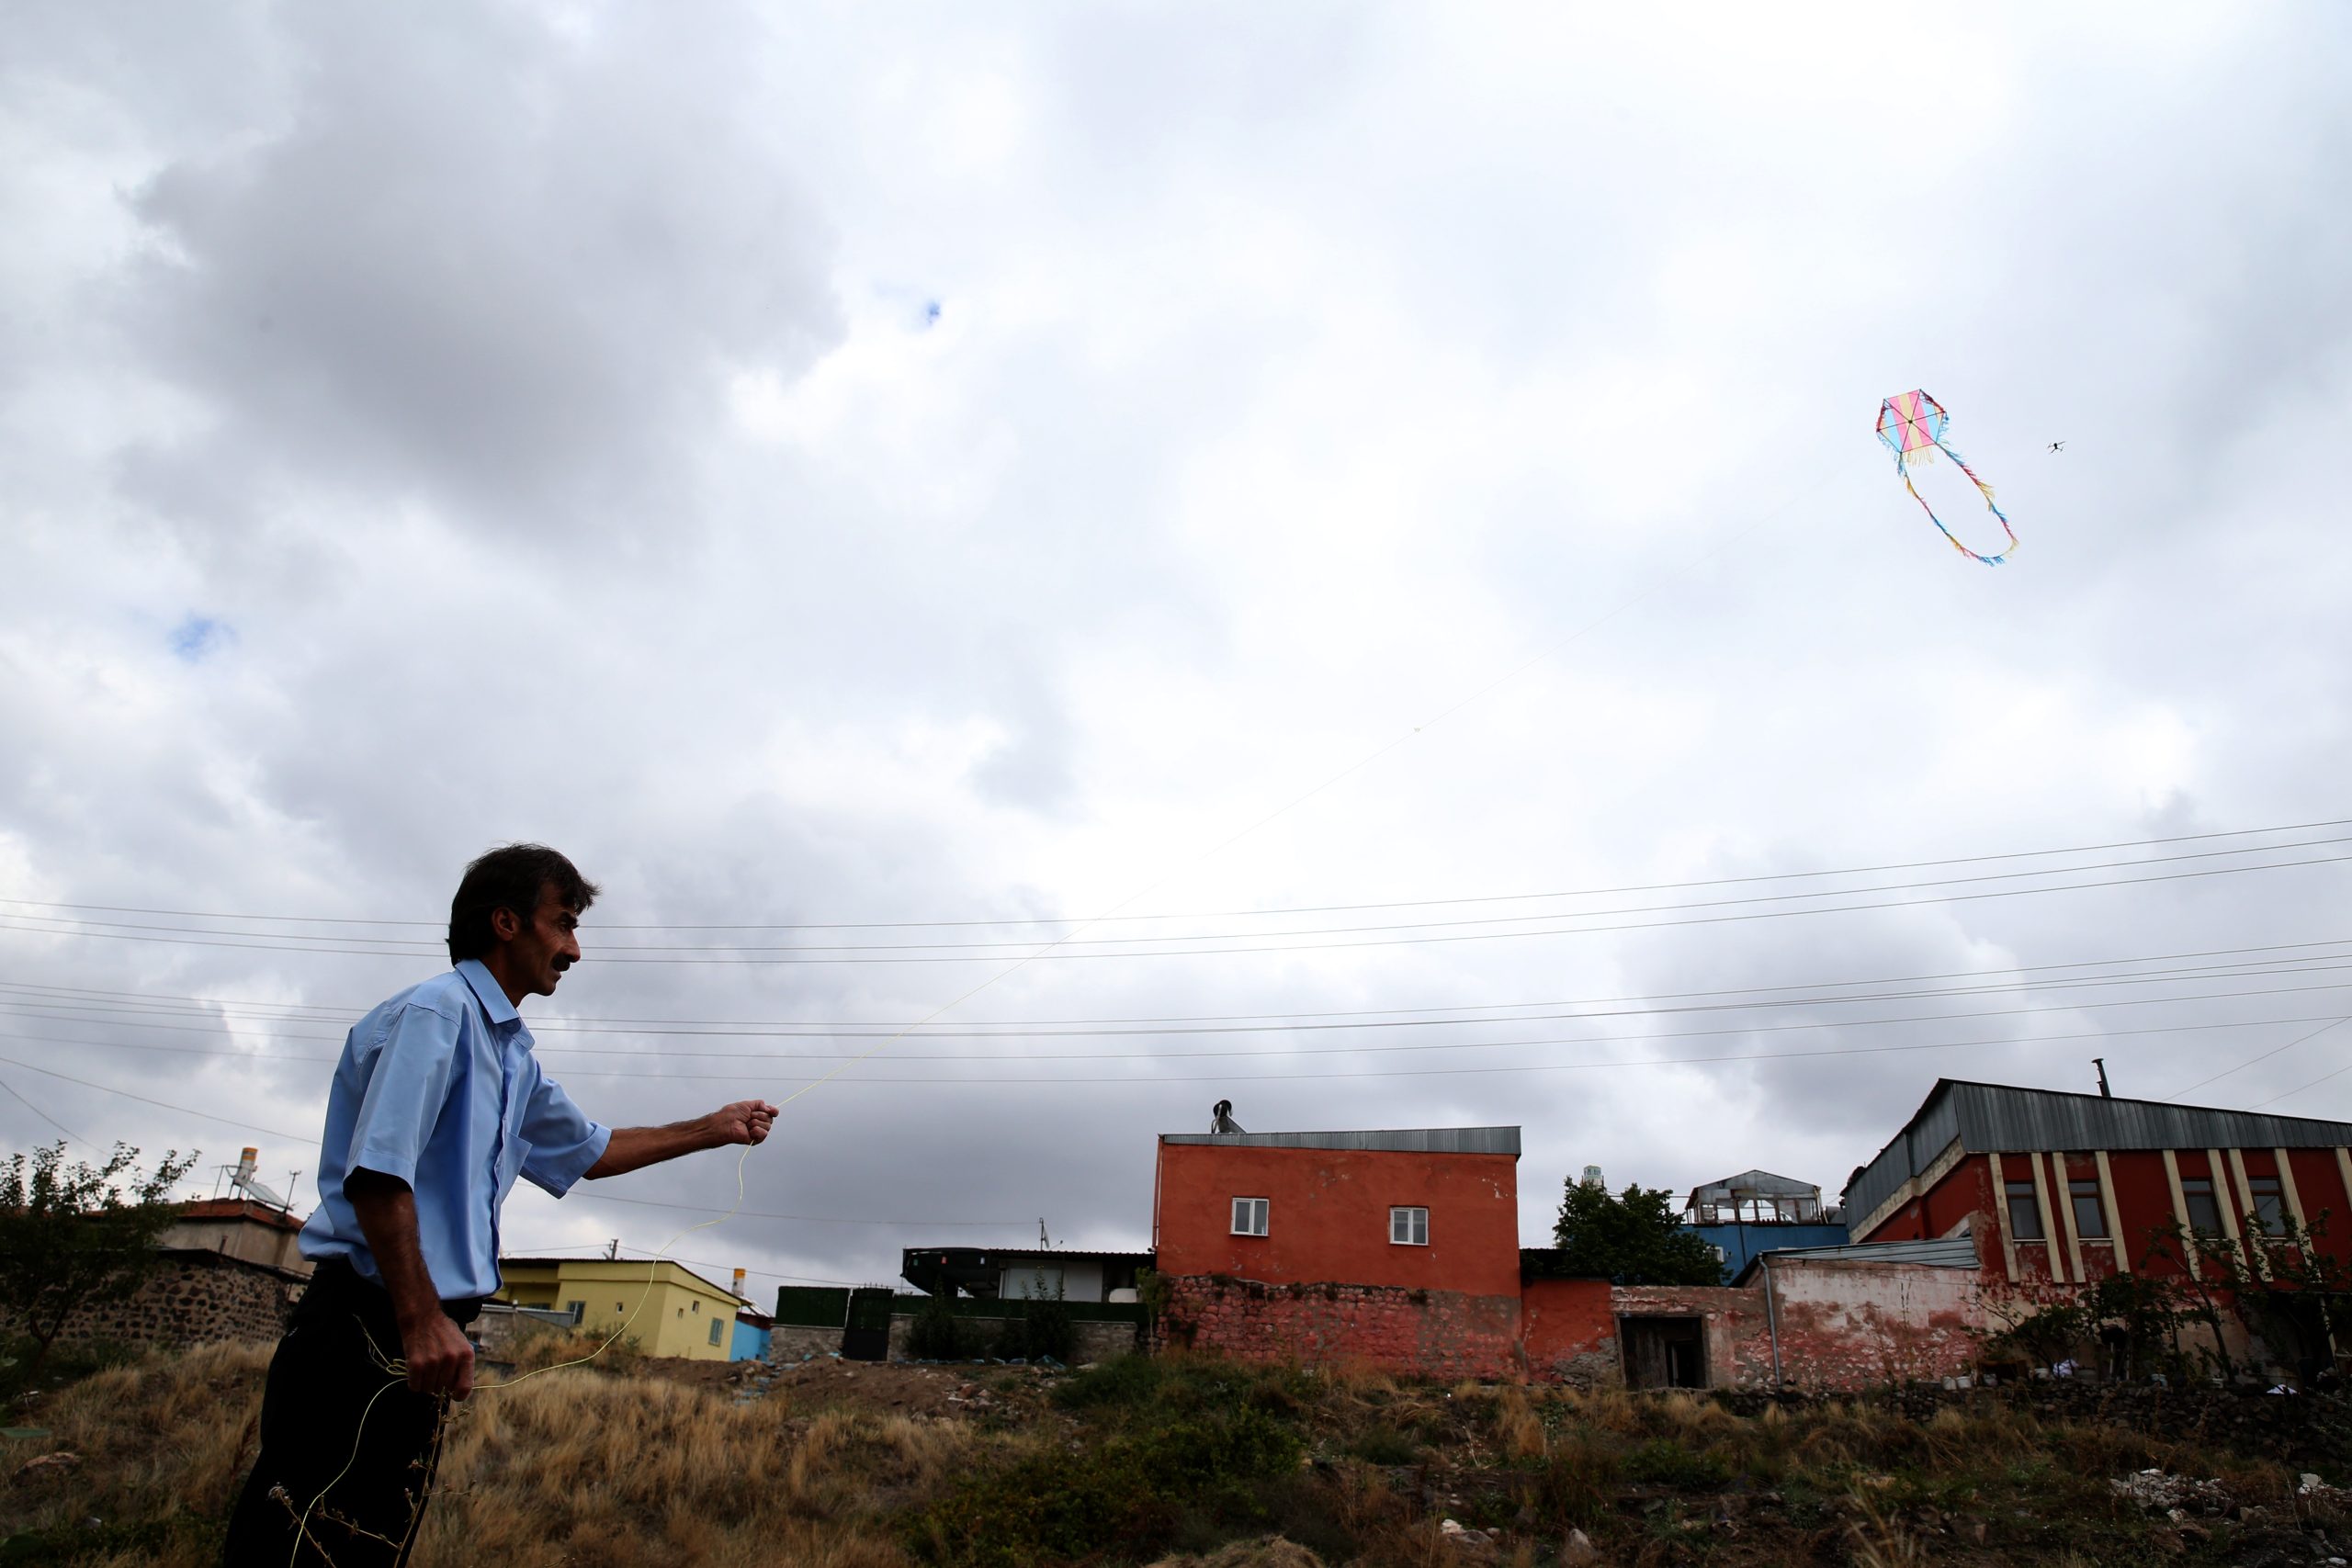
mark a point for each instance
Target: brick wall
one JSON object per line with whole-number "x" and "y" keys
{"x": 1739, "y": 1350}
{"x": 1431, "y": 1333}
{"x": 1569, "y": 1329}
{"x": 194, "y": 1298}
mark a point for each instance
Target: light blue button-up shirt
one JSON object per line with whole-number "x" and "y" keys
{"x": 438, "y": 1087}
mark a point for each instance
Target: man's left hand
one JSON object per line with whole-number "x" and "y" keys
{"x": 745, "y": 1121}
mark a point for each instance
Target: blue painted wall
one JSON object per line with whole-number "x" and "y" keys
{"x": 750, "y": 1343}
{"x": 1741, "y": 1242}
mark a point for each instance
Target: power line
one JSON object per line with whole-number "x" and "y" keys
{"x": 45, "y": 1115}
{"x": 2250, "y": 1061}
{"x": 1379, "y": 1017}
{"x": 1156, "y": 1081}
{"x": 1073, "y": 946}
{"x": 1290, "y": 909}
{"x": 1273, "y": 1051}
{"x": 158, "y": 1104}
{"x": 2298, "y": 1089}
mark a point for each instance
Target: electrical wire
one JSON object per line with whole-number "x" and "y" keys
{"x": 788, "y": 1028}
{"x": 1272, "y": 1051}
{"x": 32, "y": 1002}
{"x": 2250, "y": 1061}
{"x": 1292, "y": 909}
{"x": 44, "y": 1115}
{"x": 1073, "y": 947}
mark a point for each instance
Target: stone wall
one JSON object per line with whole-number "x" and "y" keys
{"x": 1442, "y": 1333}
{"x": 797, "y": 1342}
{"x": 193, "y": 1298}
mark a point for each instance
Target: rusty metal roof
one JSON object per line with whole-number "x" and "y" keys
{"x": 1400, "y": 1140}
{"x": 2001, "y": 1118}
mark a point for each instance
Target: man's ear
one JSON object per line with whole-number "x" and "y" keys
{"x": 504, "y": 924}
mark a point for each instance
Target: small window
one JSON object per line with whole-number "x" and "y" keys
{"x": 2090, "y": 1214}
{"x": 1250, "y": 1216}
{"x": 715, "y": 1325}
{"x": 577, "y": 1309}
{"x": 697, "y": 1303}
{"x": 2269, "y": 1203}
{"x": 618, "y": 1307}
{"x": 2025, "y": 1215}
{"x": 1408, "y": 1228}
{"x": 2204, "y": 1215}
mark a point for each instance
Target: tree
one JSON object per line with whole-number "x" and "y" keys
{"x": 70, "y": 1239}
{"x": 1634, "y": 1238}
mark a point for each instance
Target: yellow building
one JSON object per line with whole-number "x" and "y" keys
{"x": 669, "y": 1310}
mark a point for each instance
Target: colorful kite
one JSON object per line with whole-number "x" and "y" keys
{"x": 1912, "y": 425}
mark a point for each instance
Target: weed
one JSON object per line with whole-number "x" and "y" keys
{"x": 1384, "y": 1445}
{"x": 1662, "y": 1461}
{"x": 1135, "y": 1490}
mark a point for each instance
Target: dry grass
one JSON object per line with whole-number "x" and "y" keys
{"x": 580, "y": 1467}
{"x": 574, "y": 1467}
{"x": 181, "y": 1461}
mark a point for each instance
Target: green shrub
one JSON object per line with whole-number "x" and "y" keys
{"x": 1664, "y": 1462}
{"x": 1132, "y": 1491}
{"x": 938, "y": 1335}
{"x": 1124, "y": 1380}
{"x": 1039, "y": 1327}
{"x": 1384, "y": 1445}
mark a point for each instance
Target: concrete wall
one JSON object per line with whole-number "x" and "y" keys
{"x": 1842, "y": 1327}
{"x": 247, "y": 1232}
{"x": 1854, "y": 1326}
{"x": 1431, "y": 1333}
{"x": 1328, "y": 1217}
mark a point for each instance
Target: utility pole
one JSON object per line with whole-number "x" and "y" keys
{"x": 613, "y": 1248}
{"x": 1044, "y": 1241}
{"x": 2104, "y": 1092}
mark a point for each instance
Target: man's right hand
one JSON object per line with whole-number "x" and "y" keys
{"x": 440, "y": 1358}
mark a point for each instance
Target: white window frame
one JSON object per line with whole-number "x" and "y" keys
{"x": 1258, "y": 1210}
{"x": 715, "y": 1322}
{"x": 1408, "y": 1213}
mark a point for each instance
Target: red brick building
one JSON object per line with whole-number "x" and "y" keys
{"x": 1398, "y": 1247}
{"x": 2067, "y": 1189}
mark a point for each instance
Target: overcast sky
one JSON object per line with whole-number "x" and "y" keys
{"x": 840, "y": 466}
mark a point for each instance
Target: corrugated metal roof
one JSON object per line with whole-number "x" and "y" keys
{"x": 1762, "y": 1183}
{"x": 1400, "y": 1140}
{"x": 2001, "y": 1118}
{"x": 1944, "y": 1252}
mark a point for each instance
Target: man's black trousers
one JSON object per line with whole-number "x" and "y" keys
{"x": 326, "y": 1376}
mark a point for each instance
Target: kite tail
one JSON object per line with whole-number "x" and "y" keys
{"x": 1953, "y": 539}
{"x": 1990, "y": 506}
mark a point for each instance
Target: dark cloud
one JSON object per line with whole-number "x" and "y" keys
{"x": 848, "y": 472}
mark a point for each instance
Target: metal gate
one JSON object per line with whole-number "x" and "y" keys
{"x": 867, "y": 1336}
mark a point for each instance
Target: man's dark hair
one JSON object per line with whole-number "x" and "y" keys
{"x": 511, "y": 878}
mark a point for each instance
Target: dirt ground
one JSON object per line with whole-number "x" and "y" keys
{"x": 888, "y": 1388}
